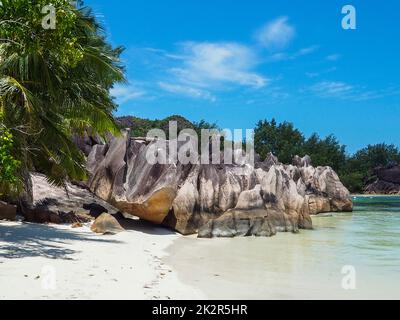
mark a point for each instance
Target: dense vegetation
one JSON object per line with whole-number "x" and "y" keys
{"x": 356, "y": 171}
{"x": 285, "y": 141}
{"x": 359, "y": 169}
{"x": 140, "y": 127}
{"x": 53, "y": 83}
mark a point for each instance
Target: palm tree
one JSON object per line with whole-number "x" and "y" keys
{"x": 54, "y": 84}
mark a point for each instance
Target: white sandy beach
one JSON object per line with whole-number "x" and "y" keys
{"x": 87, "y": 266}
{"x": 148, "y": 262}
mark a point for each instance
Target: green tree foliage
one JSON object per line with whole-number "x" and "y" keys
{"x": 325, "y": 152}
{"x": 204, "y": 125}
{"x": 53, "y": 84}
{"x": 359, "y": 168}
{"x": 374, "y": 156}
{"x": 283, "y": 140}
{"x": 10, "y": 184}
{"x": 140, "y": 127}
{"x": 355, "y": 171}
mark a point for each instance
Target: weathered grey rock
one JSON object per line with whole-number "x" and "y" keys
{"x": 269, "y": 161}
{"x": 239, "y": 224}
{"x": 325, "y": 191}
{"x": 106, "y": 224}
{"x": 214, "y": 200}
{"x": 390, "y": 174}
{"x": 7, "y": 211}
{"x": 51, "y": 204}
{"x": 302, "y": 162}
{"x": 86, "y": 141}
{"x": 126, "y": 179}
{"x": 383, "y": 187}
{"x": 388, "y": 181}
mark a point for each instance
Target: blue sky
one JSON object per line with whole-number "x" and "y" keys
{"x": 236, "y": 62}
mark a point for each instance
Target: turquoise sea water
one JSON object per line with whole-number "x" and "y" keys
{"x": 375, "y": 232}
{"x": 311, "y": 264}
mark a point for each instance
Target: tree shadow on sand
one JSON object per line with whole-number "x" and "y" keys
{"x": 34, "y": 240}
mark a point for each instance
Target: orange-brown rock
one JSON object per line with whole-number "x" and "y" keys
{"x": 106, "y": 224}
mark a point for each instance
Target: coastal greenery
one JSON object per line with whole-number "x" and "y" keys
{"x": 9, "y": 182}
{"x": 356, "y": 171}
{"x": 285, "y": 141}
{"x": 359, "y": 169}
{"x": 140, "y": 127}
{"x": 54, "y": 83}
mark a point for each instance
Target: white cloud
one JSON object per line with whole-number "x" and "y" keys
{"x": 283, "y": 56}
{"x": 333, "y": 57}
{"x": 308, "y": 50}
{"x": 377, "y": 94}
{"x": 276, "y": 34}
{"x": 187, "y": 91}
{"x": 207, "y": 64}
{"x": 342, "y": 90}
{"x": 333, "y": 89}
{"x": 280, "y": 56}
{"x": 125, "y": 93}
{"x": 319, "y": 73}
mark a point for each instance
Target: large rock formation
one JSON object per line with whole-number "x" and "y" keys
{"x": 51, "y": 204}
{"x": 388, "y": 181}
{"x": 214, "y": 200}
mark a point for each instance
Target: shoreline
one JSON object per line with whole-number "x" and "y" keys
{"x": 47, "y": 262}
{"x": 284, "y": 267}
{"x": 147, "y": 262}
{"x": 374, "y": 195}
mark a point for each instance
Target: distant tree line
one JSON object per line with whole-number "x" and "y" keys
{"x": 140, "y": 127}
{"x": 285, "y": 141}
{"x": 356, "y": 171}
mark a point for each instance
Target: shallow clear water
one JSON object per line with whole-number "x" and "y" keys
{"x": 305, "y": 265}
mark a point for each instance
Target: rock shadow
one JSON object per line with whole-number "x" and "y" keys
{"x": 29, "y": 240}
